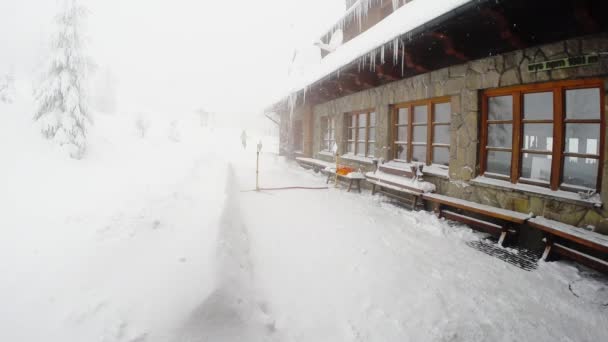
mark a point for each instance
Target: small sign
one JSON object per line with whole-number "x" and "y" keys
{"x": 563, "y": 63}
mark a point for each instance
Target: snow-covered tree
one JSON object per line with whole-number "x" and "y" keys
{"x": 7, "y": 88}
{"x": 62, "y": 104}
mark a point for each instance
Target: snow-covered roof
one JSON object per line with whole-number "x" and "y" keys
{"x": 365, "y": 47}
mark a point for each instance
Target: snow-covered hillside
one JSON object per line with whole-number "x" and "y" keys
{"x": 157, "y": 239}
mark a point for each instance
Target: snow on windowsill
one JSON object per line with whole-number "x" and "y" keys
{"x": 326, "y": 154}
{"x": 358, "y": 159}
{"x": 560, "y": 195}
{"x": 431, "y": 170}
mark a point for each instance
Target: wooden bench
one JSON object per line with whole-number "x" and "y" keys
{"x": 351, "y": 178}
{"x": 313, "y": 164}
{"x": 399, "y": 187}
{"x": 508, "y": 220}
{"x": 557, "y": 231}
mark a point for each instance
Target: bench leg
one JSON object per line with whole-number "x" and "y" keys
{"x": 328, "y": 176}
{"x": 359, "y": 185}
{"x": 437, "y": 209}
{"x": 350, "y": 185}
{"x": 373, "y": 189}
{"x": 415, "y": 202}
{"x": 548, "y": 246}
{"x": 503, "y": 235}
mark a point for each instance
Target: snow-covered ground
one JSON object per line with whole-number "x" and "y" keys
{"x": 159, "y": 239}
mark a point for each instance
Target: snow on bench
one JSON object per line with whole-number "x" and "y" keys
{"x": 487, "y": 210}
{"x": 315, "y": 164}
{"x": 384, "y": 179}
{"x": 408, "y": 189}
{"x": 352, "y": 177}
{"x": 579, "y": 236}
{"x": 508, "y": 217}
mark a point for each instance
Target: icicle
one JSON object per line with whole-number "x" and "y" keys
{"x": 395, "y": 50}
{"x": 395, "y": 5}
{"x": 304, "y": 100}
{"x": 382, "y": 55}
{"x": 403, "y": 60}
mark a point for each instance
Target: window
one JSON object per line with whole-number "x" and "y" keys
{"x": 298, "y": 136}
{"x": 544, "y": 134}
{"x": 328, "y": 133}
{"x": 421, "y": 131}
{"x": 361, "y": 133}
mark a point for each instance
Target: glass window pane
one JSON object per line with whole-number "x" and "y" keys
{"x": 372, "y": 134}
{"x": 350, "y": 147}
{"x": 443, "y": 112}
{"x": 371, "y": 149}
{"x": 583, "y": 138}
{"x": 536, "y": 167}
{"x": 538, "y": 137}
{"x": 441, "y": 155}
{"x": 361, "y": 149}
{"x": 351, "y": 134}
{"x": 362, "y": 136}
{"x": 419, "y": 154}
{"x": 372, "y": 119}
{"x": 419, "y": 134}
{"x": 500, "y": 135}
{"x": 362, "y": 120}
{"x": 538, "y": 106}
{"x": 402, "y": 116}
{"x": 500, "y": 108}
{"x": 353, "y": 120}
{"x": 499, "y": 162}
{"x": 441, "y": 134}
{"x": 402, "y": 133}
{"x": 420, "y": 114}
{"x": 580, "y": 172}
{"x": 583, "y": 103}
{"x": 401, "y": 152}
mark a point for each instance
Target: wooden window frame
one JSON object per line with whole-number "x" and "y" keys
{"x": 559, "y": 121}
{"x": 328, "y": 129}
{"x": 430, "y": 123}
{"x": 356, "y": 139}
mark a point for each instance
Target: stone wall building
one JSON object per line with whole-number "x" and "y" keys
{"x": 503, "y": 107}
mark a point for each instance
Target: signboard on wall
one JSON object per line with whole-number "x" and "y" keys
{"x": 563, "y": 63}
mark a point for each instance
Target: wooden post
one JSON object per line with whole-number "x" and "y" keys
{"x": 336, "y": 179}
{"x": 257, "y": 171}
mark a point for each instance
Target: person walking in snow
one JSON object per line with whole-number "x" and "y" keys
{"x": 244, "y": 139}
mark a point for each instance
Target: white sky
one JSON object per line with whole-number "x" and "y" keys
{"x": 227, "y": 56}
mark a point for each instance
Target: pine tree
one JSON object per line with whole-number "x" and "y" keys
{"x": 62, "y": 106}
{"x": 7, "y": 88}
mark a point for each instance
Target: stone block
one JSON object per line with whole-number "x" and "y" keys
{"x": 591, "y": 218}
{"x": 473, "y": 79}
{"x": 602, "y": 226}
{"x": 555, "y": 50}
{"x": 536, "y": 206}
{"x": 440, "y": 75}
{"x": 510, "y": 77}
{"x": 512, "y": 59}
{"x": 454, "y": 86}
{"x": 521, "y": 205}
{"x": 573, "y": 47}
{"x": 458, "y": 71}
{"x": 490, "y": 79}
{"x": 469, "y": 100}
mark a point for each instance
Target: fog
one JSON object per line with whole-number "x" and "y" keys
{"x": 175, "y": 55}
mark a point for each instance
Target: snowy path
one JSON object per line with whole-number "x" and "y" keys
{"x": 346, "y": 267}
{"x": 163, "y": 247}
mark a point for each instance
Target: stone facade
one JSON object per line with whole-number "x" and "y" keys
{"x": 464, "y": 83}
